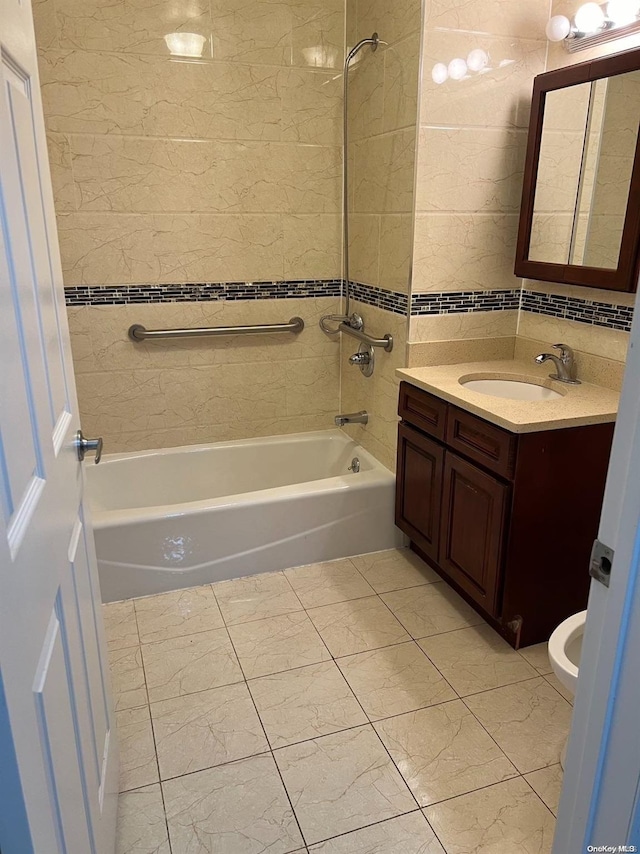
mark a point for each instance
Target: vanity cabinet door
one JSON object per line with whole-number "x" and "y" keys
{"x": 419, "y": 489}
{"x": 473, "y": 529}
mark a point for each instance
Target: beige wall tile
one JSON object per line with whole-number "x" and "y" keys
{"x": 457, "y": 252}
{"x": 396, "y": 247}
{"x": 384, "y": 173}
{"x": 392, "y": 20}
{"x": 447, "y": 327}
{"x": 598, "y": 340}
{"x": 366, "y": 95}
{"x": 454, "y": 352}
{"x": 501, "y": 17}
{"x": 311, "y": 106}
{"x": 312, "y": 245}
{"x": 136, "y": 26}
{"x": 104, "y": 248}
{"x": 464, "y": 169}
{"x": 401, "y": 64}
{"x": 44, "y": 19}
{"x": 86, "y": 92}
{"x": 61, "y": 171}
{"x": 364, "y": 252}
{"x": 317, "y": 33}
{"x": 499, "y": 97}
{"x": 129, "y": 174}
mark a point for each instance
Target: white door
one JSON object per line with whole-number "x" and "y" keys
{"x": 58, "y": 757}
{"x": 600, "y": 804}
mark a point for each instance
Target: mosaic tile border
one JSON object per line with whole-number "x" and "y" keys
{"x": 449, "y": 302}
{"x": 393, "y": 301}
{"x": 201, "y": 292}
{"x": 462, "y": 302}
{"x": 583, "y": 310}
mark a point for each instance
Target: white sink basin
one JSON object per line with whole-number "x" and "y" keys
{"x": 511, "y": 389}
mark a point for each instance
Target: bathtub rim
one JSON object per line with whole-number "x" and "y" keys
{"x": 375, "y": 473}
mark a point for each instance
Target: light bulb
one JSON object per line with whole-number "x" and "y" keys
{"x": 558, "y": 28}
{"x": 439, "y": 73}
{"x": 622, "y": 12}
{"x": 457, "y": 69}
{"x": 185, "y": 44}
{"x": 589, "y": 18}
{"x": 478, "y": 59}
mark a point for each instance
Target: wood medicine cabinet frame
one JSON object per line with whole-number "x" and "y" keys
{"x": 625, "y": 277}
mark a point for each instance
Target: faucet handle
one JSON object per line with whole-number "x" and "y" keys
{"x": 566, "y": 353}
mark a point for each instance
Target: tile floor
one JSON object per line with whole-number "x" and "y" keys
{"x": 353, "y": 707}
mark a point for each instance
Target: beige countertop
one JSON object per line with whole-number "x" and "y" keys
{"x": 579, "y": 405}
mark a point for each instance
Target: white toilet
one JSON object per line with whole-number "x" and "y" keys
{"x": 565, "y": 648}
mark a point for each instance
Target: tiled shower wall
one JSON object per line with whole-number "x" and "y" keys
{"x": 382, "y": 132}
{"x": 172, "y": 171}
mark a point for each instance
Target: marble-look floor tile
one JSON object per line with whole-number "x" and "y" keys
{"x": 142, "y": 828}
{"x": 553, "y": 680}
{"x": 182, "y": 612}
{"x": 342, "y": 782}
{"x": 476, "y": 659}
{"x": 431, "y": 610}
{"x": 280, "y": 643}
{"x": 327, "y": 583}
{"x": 537, "y": 656}
{"x": 530, "y": 721}
{"x": 501, "y": 819}
{"x": 256, "y": 598}
{"x": 394, "y": 679}
{"x": 241, "y": 808}
{"x": 547, "y": 782}
{"x": 407, "y": 834}
{"x": 394, "y": 570}
{"x": 202, "y": 730}
{"x": 356, "y": 626}
{"x": 305, "y": 703}
{"x": 443, "y": 752}
{"x": 188, "y": 664}
{"x": 120, "y": 624}
{"x": 138, "y": 765}
{"x": 127, "y": 678}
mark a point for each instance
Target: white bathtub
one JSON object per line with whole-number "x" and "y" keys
{"x": 186, "y": 516}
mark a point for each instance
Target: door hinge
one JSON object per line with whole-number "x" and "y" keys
{"x": 601, "y": 561}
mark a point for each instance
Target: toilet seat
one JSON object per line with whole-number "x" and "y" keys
{"x": 561, "y": 644}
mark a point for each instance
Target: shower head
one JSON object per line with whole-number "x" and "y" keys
{"x": 374, "y": 41}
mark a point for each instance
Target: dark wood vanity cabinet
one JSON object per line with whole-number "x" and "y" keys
{"x": 508, "y": 520}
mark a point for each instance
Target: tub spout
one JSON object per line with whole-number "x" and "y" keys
{"x": 361, "y": 417}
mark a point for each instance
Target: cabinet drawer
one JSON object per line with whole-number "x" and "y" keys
{"x": 483, "y": 442}
{"x": 423, "y": 410}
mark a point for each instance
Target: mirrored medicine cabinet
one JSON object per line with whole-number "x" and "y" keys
{"x": 580, "y": 214}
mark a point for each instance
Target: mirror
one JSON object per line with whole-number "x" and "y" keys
{"x": 577, "y": 224}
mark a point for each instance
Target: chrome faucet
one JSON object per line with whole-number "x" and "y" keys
{"x": 565, "y": 364}
{"x": 361, "y": 417}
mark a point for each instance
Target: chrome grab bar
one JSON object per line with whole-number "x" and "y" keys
{"x": 386, "y": 342}
{"x": 139, "y": 333}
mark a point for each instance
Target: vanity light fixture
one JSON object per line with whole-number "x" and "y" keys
{"x": 185, "y": 44}
{"x": 595, "y": 24}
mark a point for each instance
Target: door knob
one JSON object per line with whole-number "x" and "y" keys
{"x": 88, "y": 445}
